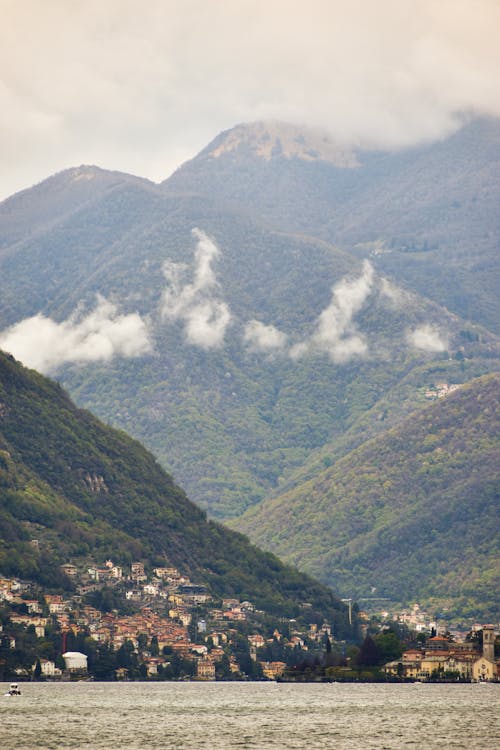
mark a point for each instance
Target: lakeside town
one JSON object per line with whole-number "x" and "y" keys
{"x": 160, "y": 625}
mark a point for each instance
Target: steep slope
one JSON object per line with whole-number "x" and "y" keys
{"x": 36, "y": 209}
{"x": 256, "y": 345}
{"x": 427, "y": 216}
{"x": 410, "y": 515}
{"x": 83, "y": 489}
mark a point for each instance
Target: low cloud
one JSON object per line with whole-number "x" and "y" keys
{"x": 393, "y": 293}
{"x": 206, "y": 318}
{"x": 427, "y": 338}
{"x": 335, "y": 331}
{"x": 263, "y": 338}
{"x": 43, "y": 344}
{"x": 156, "y": 81}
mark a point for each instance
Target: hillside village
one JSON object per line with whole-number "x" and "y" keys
{"x": 173, "y": 627}
{"x": 133, "y": 624}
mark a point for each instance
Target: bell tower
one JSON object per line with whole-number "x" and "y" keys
{"x": 489, "y": 642}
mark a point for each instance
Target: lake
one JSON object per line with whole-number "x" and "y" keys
{"x": 219, "y": 716}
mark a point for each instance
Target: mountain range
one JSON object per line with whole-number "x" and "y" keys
{"x": 270, "y": 306}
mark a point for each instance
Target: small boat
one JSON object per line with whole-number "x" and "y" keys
{"x": 14, "y": 689}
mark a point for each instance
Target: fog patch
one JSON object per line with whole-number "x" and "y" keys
{"x": 205, "y": 317}
{"x": 263, "y": 338}
{"x": 44, "y": 344}
{"x": 427, "y": 338}
{"x": 394, "y": 294}
{"x": 335, "y": 331}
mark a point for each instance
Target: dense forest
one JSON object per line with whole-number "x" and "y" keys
{"x": 408, "y": 514}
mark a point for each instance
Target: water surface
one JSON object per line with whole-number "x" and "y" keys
{"x": 220, "y": 716}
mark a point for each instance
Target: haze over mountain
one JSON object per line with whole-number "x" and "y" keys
{"x": 427, "y": 216}
{"x": 278, "y": 294}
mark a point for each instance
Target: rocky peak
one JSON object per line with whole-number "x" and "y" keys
{"x": 272, "y": 139}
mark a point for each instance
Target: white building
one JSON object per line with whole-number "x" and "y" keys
{"x": 75, "y": 661}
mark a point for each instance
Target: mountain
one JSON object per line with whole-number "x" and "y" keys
{"x": 427, "y": 216}
{"x": 83, "y": 489}
{"x": 410, "y": 515}
{"x": 214, "y": 318}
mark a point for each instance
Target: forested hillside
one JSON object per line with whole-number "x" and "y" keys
{"x": 89, "y": 492}
{"x": 257, "y": 317}
{"x": 410, "y": 515}
{"x": 427, "y": 216}
{"x": 236, "y": 352}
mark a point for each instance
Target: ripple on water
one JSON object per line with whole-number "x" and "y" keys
{"x": 256, "y": 716}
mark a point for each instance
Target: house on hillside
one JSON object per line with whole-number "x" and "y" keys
{"x": 205, "y": 669}
{"x": 69, "y": 569}
{"x": 273, "y": 669}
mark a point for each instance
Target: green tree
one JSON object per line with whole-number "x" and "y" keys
{"x": 154, "y": 648}
{"x": 388, "y": 645}
{"x": 369, "y": 654}
{"x": 38, "y": 670}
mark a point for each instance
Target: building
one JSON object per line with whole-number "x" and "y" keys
{"x": 485, "y": 669}
{"x": 205, "y": 669}
{"x": 38, "y": 622}
{"x": 48, "y": 668}
{"x": 69, "y": 569}
{"x": 75, "y": 661}
{"x": 137, "y": 572}
{"x": 273, "y": 669}
{"x": 446, "y": 659}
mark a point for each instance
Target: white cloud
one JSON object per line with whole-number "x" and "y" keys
{"x": 43, "y": 344}
{"x": 263, "y": 338}
{"x": 393, "y": 293}
{"x": 206, "y": 318}
{"x": 335, "y": 332}
{"x": 142, "y": 86}
{"x": 427, "y": 338}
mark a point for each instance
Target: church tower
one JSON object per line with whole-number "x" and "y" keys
{"x": 489, "y": 642}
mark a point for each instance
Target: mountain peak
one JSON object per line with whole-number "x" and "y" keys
{"x": 273, "y": 139}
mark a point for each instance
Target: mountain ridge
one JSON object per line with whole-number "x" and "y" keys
{"x": 269, "y": 139}
{"x": 262, "y": 347}
{"x": 369, "y": 519}
{"x": 255, "y": 410}
{"x": 430, "y": 208}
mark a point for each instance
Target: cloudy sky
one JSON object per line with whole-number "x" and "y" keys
{"x": 141, "y": 86}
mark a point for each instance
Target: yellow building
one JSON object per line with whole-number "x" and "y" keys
{"x": 273, "y": 669}
{"x": 205, "y": 669}
{"x": 484, "y": 670}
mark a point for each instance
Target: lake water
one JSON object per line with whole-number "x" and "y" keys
{"x": 219, "y": 716}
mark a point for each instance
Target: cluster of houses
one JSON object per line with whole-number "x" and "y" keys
{"x": 166, "y": 602}
{"x": 442, "y": 657}
{"x": 168, "y": 622}
{"x": 440, "y": 390}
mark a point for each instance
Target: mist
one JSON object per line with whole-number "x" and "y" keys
{"x": 427, "y": 338}
{"x": 141, "y": 87}
{"x": 44, "y": 344}
{"x": 335, "y": 330}
{"x": 196, "y": 304}
{"x": 263, "y": 338}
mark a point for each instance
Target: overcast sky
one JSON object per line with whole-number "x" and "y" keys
{"x": 143, "y": 85}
